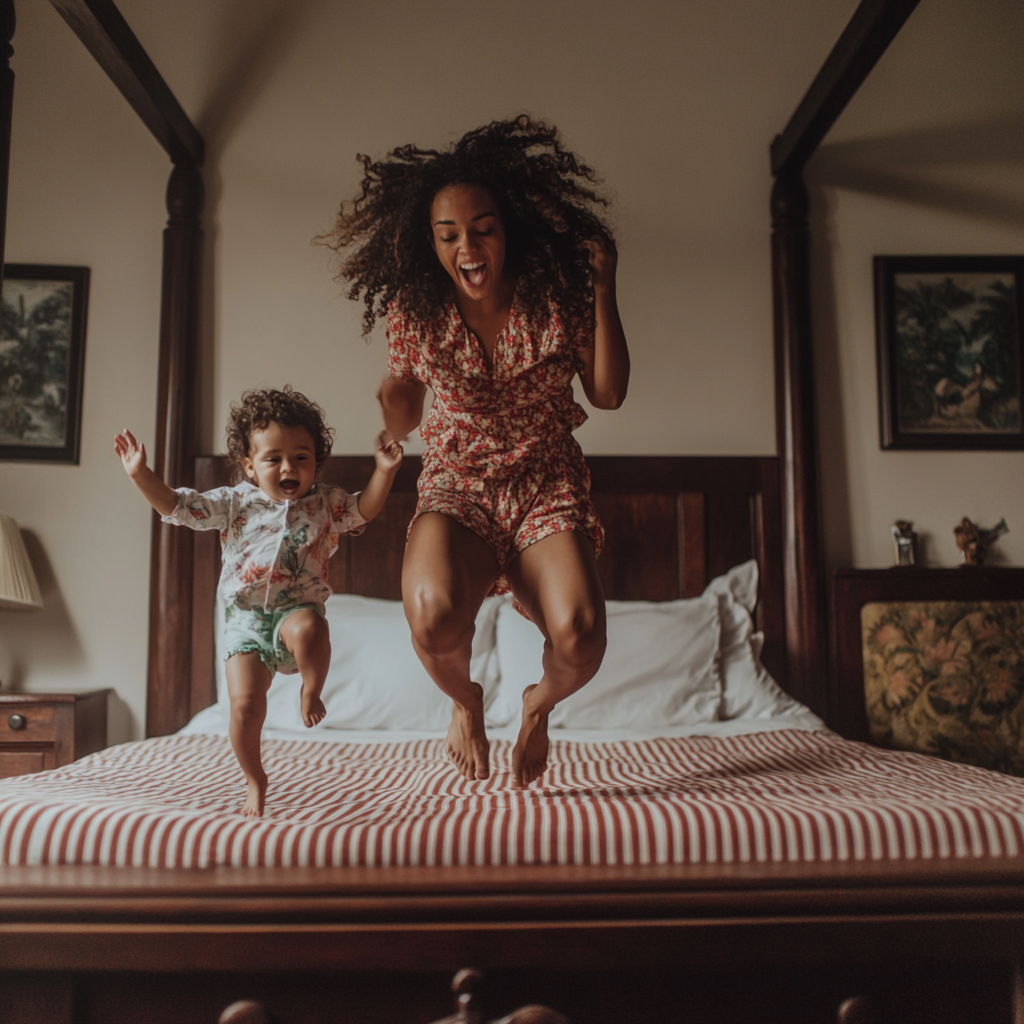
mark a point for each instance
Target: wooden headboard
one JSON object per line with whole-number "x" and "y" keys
{"x": 671, "y": 523}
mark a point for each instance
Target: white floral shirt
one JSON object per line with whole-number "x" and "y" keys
{"x": 274, "y": 553}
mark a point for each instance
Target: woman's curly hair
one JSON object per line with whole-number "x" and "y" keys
{"x": 262, "y": 406}
{"x": 384, "y": 239}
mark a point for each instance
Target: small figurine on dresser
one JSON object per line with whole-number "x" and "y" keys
{"x": 974, "y": 541}
{"x": 904, "y": 542}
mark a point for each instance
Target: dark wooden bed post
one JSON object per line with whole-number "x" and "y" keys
{"x": 106, "y": 35}
{"x": 873, "y": 26}
{"x": 795, "y": 440}
{"x": 171, "y": 562}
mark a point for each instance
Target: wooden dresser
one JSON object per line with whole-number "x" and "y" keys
{"x": 49, "y": 730}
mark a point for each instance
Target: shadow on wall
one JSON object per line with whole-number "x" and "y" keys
{"x": 935, "y": 168}
{"x": 249, "y": 61}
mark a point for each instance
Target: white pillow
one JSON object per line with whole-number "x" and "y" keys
{"x": 376, "y": 681}
{"x": 749, "y": 691}
{"x": 660, "y": 668}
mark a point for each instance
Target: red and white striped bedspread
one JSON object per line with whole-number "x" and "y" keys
{"x": 777, "y": 796}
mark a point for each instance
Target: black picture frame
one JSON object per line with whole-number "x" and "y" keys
{"x": 42, "y": 354}
{"x": 950, "y": 359}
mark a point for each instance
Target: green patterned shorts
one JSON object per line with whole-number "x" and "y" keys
{"x": 255, "y": 631}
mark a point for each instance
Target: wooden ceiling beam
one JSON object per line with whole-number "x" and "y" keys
{"x": 106, "y": 35}
{"x": 872, "y": 28}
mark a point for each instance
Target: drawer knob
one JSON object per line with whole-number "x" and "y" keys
{"x": 17, "y": 722}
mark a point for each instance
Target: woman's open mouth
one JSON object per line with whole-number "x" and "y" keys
{"x": 473, "y": 273}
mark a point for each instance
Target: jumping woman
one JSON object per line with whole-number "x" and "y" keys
{"x": 496, "y": 273}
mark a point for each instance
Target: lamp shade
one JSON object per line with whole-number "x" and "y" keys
{"x": 18, "y": 588}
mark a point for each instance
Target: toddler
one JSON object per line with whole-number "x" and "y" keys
{"x": 278, "y": 530}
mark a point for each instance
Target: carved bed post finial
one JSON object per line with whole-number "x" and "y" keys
{"x": 806, "y": 662}
{"x": 7, "y": 23}
{"x": 466, "y": 988}
{"x": 245, "y": 1011}
{"x": 856, "y": 1010}
{"x": 170, "y": 623}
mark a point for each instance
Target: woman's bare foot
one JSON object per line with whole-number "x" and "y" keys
{"x": 467, "y": 743}
{"x": 530, "y": 754}
{"x": 256, "y": 794}
{"x": 313, "y": 710}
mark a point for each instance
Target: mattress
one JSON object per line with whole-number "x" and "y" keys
{"x": 782, "y": 795}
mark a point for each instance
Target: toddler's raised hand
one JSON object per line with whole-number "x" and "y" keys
{"x": 131, "y": 452}
{"x": 389, "y": 455}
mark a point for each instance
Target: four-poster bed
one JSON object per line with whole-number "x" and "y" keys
{"x": 786, "y": 941}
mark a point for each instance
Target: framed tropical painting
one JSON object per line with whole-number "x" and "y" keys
{"x": 42, "y": 349}
{"x": 949, "y": 351}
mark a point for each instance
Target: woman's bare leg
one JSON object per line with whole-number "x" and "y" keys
{"x": 446, "y": 575}
{"x": 248, "y": 682}
{"x": 307, "y": 637}
{"x": 556, "y": 581}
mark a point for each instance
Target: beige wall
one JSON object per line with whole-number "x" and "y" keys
{"x": 676, "y": 103}
{"x": 927, "y": 159}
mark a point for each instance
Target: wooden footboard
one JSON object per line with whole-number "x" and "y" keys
{"x": 922, "y": 941}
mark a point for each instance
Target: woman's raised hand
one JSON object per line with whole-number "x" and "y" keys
{"x": 132, "y": 453}
{"x": 603, "y": 260}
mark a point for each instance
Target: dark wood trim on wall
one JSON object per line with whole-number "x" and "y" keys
{"x": 872, "y": 28}
{"x": 106, "y": 35}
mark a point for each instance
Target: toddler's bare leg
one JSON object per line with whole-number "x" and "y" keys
{"x": 248, "y": 682}
{"x": 446, "y": 574}
{"x": 556, "y": 581}
{"x": 307, "y": 636}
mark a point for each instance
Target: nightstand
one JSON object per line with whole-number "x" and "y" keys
{"x": 49, "y": 730}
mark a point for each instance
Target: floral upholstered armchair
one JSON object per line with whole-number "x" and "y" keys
{"x": 947, "y": 678}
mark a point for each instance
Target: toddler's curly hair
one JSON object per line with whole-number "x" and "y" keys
{"x": 544, "y": 193}
{"x": 260, "y": 407}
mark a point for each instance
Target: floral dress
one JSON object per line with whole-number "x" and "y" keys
{"x": 499, "y": 454}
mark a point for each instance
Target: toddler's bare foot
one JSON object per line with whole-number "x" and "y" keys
{"x": 467, "y": 740}
{"x": 530, "y": 754}
{"x": 256, "y": 794}
{"x": 313, "y": 710}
